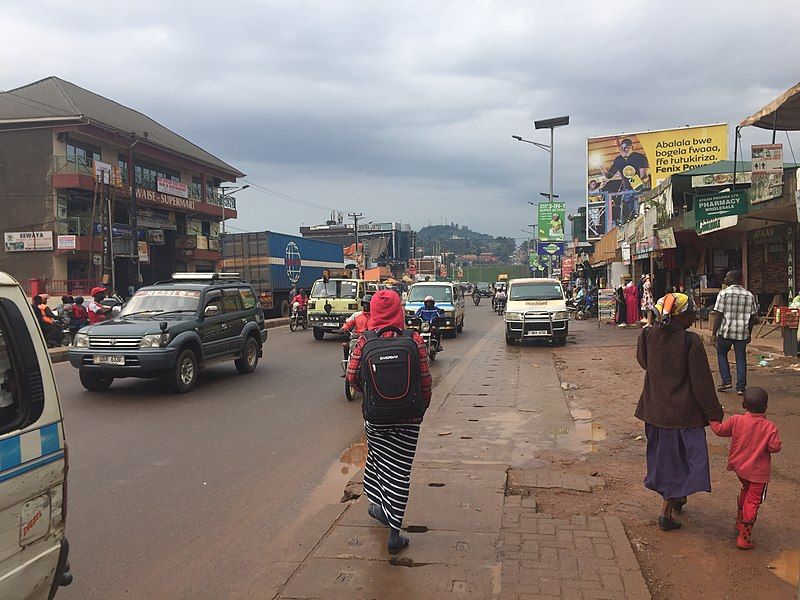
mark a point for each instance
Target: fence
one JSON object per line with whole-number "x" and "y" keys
{"x": 61, "y": 287}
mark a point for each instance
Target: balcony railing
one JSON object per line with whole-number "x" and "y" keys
{"x": 73, "y": 164}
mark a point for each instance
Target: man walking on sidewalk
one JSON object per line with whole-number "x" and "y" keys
{"x": 737, "y": 312}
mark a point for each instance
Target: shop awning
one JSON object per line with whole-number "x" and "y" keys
{"x": 782, "y": 114}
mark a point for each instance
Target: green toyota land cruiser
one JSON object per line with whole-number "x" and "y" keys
{"x": 171, "y": 329}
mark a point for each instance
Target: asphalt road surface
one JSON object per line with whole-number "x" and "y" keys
{"x": 181, "y": 496}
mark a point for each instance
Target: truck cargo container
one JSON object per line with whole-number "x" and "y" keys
{"x": 274, "y": 263}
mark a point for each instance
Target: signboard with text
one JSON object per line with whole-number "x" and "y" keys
{"x": 767, "y": 158}
{"x": 67, "y": 242}
{"x": 173, "y": 188}
{"x": 550, "y": 248}
{"x": 620, "y": 168}
{"x": 551, "y": 221}
{"x": 724, "y": 204}
{"x": 28, "y": 241}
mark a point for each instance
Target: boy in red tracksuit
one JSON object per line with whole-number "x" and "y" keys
{"x": 754, "y": 439}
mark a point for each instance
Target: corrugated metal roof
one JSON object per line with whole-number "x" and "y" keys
{"x": 55, "y": 97}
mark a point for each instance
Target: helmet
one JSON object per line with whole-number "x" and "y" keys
{"x": 429, "y": 299}
{"x": 365, "y": 302}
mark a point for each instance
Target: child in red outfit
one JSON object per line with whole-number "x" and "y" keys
{"x": 754, "y": 439}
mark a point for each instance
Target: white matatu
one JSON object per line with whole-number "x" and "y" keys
{"x": 536, "y": 309}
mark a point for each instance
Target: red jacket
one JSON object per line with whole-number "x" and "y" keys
{"x": 302, "y": 300}
{"x": 753, "y": 439}
{"x": 358, "y": 322}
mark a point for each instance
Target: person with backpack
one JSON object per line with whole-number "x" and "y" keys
{"x": 677, "y": 402}
{"x": 390, "y": 366}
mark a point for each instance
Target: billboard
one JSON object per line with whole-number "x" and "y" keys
{"x": 28, "y": 241}
{"x": 620, "y": 168}
{"x": 551, "y": 221}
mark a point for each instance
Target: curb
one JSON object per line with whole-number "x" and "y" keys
{"x": 59, "y": 355}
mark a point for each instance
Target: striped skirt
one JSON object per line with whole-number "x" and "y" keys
{"x": 387, "y": 474}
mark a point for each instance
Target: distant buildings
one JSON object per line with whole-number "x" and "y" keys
{"x": 385, "y": 244}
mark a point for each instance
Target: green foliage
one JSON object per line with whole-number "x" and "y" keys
{"x": 452, "y": 239}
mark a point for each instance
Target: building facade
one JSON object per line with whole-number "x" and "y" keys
{"x": 91, "y": 190}
{"x": 385, "y": 244}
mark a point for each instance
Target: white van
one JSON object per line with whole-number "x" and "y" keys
{"x": 33, "y": 458}
{"x": 536, "y": 309}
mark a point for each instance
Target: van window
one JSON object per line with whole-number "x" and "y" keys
{"x": 21, "y": 390}
{"x": 536, "y": 291}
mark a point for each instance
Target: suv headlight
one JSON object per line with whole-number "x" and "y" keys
{"x": 154, "y": 340}
{"x": 561, "y": 315}
{"x": 81, "y": 340}
{"x": 514, "y": 316}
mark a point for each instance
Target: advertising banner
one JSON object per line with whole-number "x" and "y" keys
{"x": 534, "y": 261}
{"x": 724, "y": 204}
{"x": 596, "y": 220}
{"x": 550, "y": 248}
{"x": 606, "y": 304}
{"x": 28, "y": 241}
{"x": 103, "y": 172}
{"x": 666, "y": 238}
{"x": 711, "y": 225}
{"x": 767, "y": 158}
{"x": 720, "y": 179}
{"x": 551, "y": 221}
{"x": 173, "y": 188}
{"x": 620, "y": 168}
{"x": 67, "y": 242}
{"x": 144, "y": 254}
{"x": 155, "y": 219}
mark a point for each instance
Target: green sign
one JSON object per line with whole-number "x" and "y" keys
{"x": 551, "y": 221}
{"x": 533, "y": 260}
{"x": 715, "y": 206}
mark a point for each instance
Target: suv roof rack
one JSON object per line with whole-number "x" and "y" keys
{"x": 206, "y": 277}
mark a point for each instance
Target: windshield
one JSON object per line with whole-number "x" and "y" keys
{"x": 483, "y": 285}
{"x": 156, "y": 301}
{"x": 536, "y": 291}
{"x": 335, "y": 288}
{"x": 500, "y": 285}
{"x": 440, "y": 293}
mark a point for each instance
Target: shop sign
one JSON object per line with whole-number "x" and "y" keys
{"x": 644, "y": 247}
{"x": 767, "y": 158}
{"x": 774, "y": 233}
{"x": 102, "y": 172}
{"x": 144, "y": 255}
{"x": 164, "y": 199}
{"x": 766, "y": 186}
{"x": 551, "y": 221}
{"x": 28, "y": 241}
{"x": 173, "y": 188}
{"x": 666, "y": 238}
{"x": 606, "y": 304}
{"x": 626, "y": 253}
{"x": 550, "y": 248}
{"x": 156, "y": 237}
{"x": 155, "y": 219}
{"x": 699, "y": 181}
{"x": 67, "y": 242}
{"x": 567, "y": 266}
{"x": 725, "y": 204}
{"x": 711, "y": 225}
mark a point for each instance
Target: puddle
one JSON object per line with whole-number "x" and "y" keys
{"x": 586, "y": 434}
{"x": 787, "y": 567}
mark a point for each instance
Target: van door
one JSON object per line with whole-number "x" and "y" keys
{"x": 33, "y": 468}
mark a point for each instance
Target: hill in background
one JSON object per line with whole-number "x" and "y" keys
{"x": 455, "y": 239}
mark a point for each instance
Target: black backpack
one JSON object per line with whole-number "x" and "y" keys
{"x": 391, "y": 377}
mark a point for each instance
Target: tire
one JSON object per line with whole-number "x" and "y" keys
{"x": 305, "y": 324}
{"x": 349, "y": 391}
{"x": 509, "y": 340}
{"x": 293, "y": 324}
{"x": 66, "y": 339}
{"x": 560, "y": 341}
{"x": 94, "y": 382}
{"x": 285, "y": 308}
{"x": 248, "y": 362}
{"x": 183, "y": 376}
{"x": 432, "y": 356}
{"x": 318, "y": 333}
{"x": 460, "y": 327}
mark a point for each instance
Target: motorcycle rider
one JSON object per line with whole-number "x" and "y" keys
{"x": 302, "y": 300}
{"x": 357, "y": 323}
{"x": 428, "y": 311}
{"x": 96, "y": 311}
{"x": 500, "y": 298}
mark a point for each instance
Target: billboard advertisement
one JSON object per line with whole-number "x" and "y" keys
{"x": 551, "y": 221}
{"x": 620, "y": 168}
{"x": 28, "y": 241}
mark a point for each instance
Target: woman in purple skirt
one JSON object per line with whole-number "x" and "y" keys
{"x": 677, "y": 402}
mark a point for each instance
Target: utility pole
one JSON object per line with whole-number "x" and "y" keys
{"x": 356, "y": 217}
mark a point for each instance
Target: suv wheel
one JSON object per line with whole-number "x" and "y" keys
{"x": 94, "y": 382}
{"x": 249, "y": 360}
{"x": 460, "y": 327}
{"x": 183, "y": 376}
{"x": 319, "y": 333}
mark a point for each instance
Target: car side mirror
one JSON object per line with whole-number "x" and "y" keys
{"x": 211, "y": 311}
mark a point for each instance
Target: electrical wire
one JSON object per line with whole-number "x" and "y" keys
{"x": 288, "y": 198}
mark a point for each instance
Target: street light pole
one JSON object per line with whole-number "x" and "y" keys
{"x": 226, "y": 193}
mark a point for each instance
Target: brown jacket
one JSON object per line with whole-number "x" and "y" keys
{"x": 678, "y": 387}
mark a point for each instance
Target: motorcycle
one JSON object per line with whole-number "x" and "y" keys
{"x": 297, "y": 318}
{"x": 476, "y": 297}
{"x": 500, "y": 306}
{"x": 430, "y": 333}
{"x": 350, "y": 391}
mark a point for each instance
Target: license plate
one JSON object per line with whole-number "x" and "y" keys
{"x": 537, "y": 332}
{"x": 334, "y": 325}
{"x": 109, "y": 360}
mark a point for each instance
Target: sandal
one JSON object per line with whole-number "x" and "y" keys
{"x": 678, "y": 503}
{"x": 668, "y": 523}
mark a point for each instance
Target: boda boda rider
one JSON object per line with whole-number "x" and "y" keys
{"x": 357, "y": 323}
{"x": 428, "y": 312}
{"x": 302, "y": 300}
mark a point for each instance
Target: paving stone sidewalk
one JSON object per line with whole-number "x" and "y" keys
{"x": 472, "y": 519}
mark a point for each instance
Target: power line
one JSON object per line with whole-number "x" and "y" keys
{"x": 283, "y": 196}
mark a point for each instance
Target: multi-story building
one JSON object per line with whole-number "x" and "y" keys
{"x": 386, "y": 244}
{"x": 92, "y": 190}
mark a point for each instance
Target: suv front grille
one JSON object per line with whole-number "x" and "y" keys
{"x": 113, "y": 343}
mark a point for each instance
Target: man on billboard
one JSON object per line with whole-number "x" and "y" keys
{"x": 632, "y": 166}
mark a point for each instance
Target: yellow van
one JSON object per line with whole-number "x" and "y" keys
{"x": 33, "y": 458}
{"x": 332, "y": 302}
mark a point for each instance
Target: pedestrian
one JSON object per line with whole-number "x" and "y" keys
{"x": 677, "y": 402}
{"x": 96, "y": 311}
{"x": 401, "y": 379}
{"x": 735, "y": 312}
{"x": 754, "y": 438}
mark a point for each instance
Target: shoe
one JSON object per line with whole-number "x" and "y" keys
{"x": 668, "y": 523}
{"x": 744, "y": 542}
{"x": 396, "y": 542}
{"x": 677, "y": 503}
{"x": 740, "y": 392}
{"x": 376, "y": 512}
{"x": 724, "y": 387}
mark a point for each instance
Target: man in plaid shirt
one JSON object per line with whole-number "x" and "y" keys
{"x": 738, "y": 311}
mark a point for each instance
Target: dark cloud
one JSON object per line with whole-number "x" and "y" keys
{"x": 405, "y": 110}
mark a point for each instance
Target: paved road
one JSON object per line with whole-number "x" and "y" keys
{"x": 181, "y": 496}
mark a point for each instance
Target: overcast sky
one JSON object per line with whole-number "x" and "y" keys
{"x": 405, "y": 110}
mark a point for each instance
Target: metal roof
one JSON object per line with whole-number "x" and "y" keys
{"x": 782, "y": 114}
{"x": 54, "y": 99}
